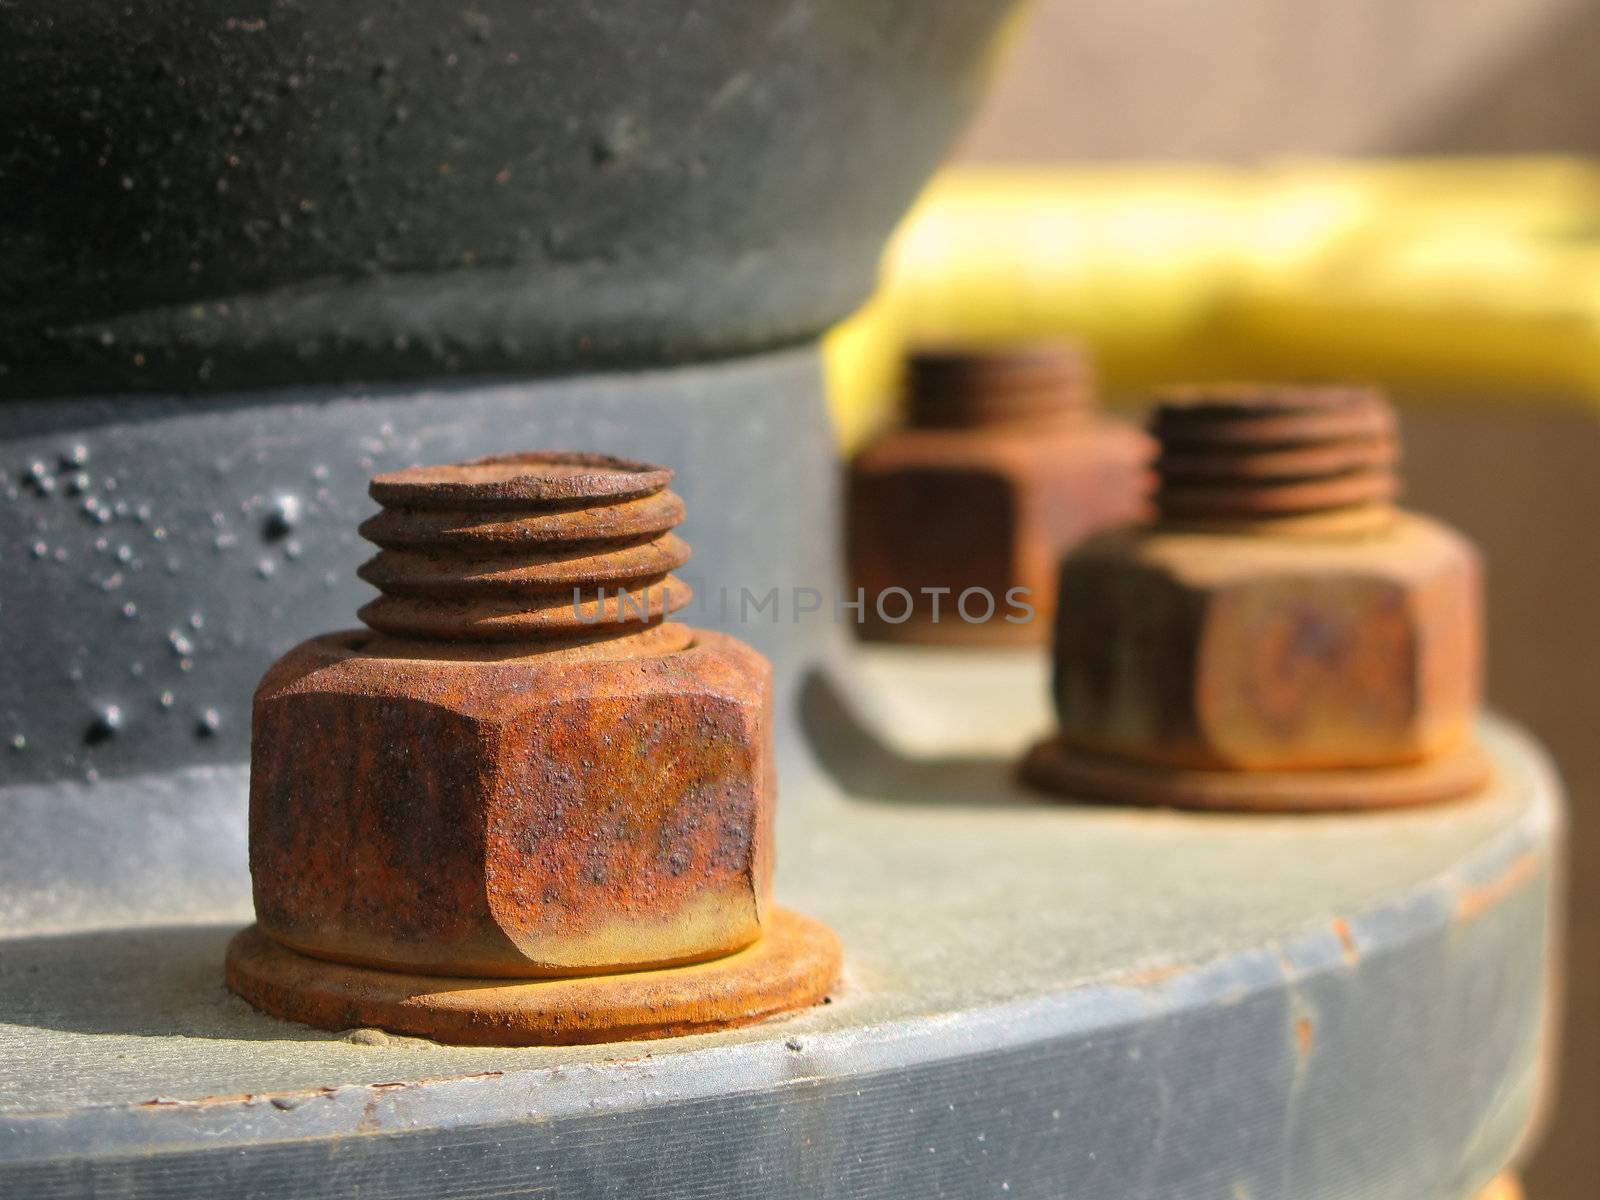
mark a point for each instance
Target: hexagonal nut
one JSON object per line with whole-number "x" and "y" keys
{"x": 1270, "y": 653}
{"x": 491, "y": 815}
{"x": 992, "y": 509}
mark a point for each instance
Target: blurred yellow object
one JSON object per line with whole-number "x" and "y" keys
{"x": 1466, "y": 277}
{"x": 1123, "y": 257}
{"x": 1433, "y": 276}
{"x": 1130, "y": 260}
{"x": 1314, "y": 205}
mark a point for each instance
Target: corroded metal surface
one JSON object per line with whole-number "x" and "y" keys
{"x": 536, "y": 814}
{"x": 520, "y": 772}
{"x": 1244, "y": 450}
{"x": 524, "y": 547}
{"x": 1003, "y": 465}
{"x": 1220, "y": 642}
{"x": 793, "y": 966}
{"x": 966, "y": 389}
{"x": 1229, "y": 652}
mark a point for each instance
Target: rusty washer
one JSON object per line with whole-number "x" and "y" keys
{"x": 1282, "y": 637}
{"x": 520, "y": 771}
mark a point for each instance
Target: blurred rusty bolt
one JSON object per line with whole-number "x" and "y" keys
{"x": 518, "y": 770}
{"x": 1002, "y": 465}
{"x": 1282, "y": 636}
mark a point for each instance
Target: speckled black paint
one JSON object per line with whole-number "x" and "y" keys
{"x": 218, "y": 193}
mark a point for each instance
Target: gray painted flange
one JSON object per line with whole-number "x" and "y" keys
{"x": 1041, "y": 1000}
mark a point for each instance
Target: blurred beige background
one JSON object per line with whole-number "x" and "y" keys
{"x": 1239, "y": 79}
{"x": 1245, "y": 80}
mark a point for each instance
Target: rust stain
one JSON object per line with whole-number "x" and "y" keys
{"x": 1304, "y": 1035}
{"x": 1150, "y": 976}
{"x": 1477, "y": 899}
{"x": 292, "y": 1099}
{"x": 172, "y": 1102}
{"x": 1347, "y": 940}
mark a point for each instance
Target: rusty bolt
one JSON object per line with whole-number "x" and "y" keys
{"x": 1003, "y": 465}
{"x": 518, "y": 769}
{"x": 1281, "y": 620}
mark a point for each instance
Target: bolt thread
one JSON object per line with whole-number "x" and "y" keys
{"x": 964, "y": 389}
{"x": 1249, "y": 452}
{"x": 524, "y": 547}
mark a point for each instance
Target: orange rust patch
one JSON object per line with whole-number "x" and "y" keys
{"x": 545, "y": 815}
{"x": 303, "y": 1094}
{"x": 1474, "y": 901}
{"x": 1304, "y": 1035}
{"x": 1347, "y": 940}
{"x": 160, "y": 1102}
{"x": 1150, "y": 976}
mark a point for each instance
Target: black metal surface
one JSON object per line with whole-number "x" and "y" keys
{"x": 203, "y": 194}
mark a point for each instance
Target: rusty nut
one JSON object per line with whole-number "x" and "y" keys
{"x": 957, "y": 519}
{"x": 1243, "y": 652}
{"x": 450, "y": 811}
{"x": 991, "y": 509}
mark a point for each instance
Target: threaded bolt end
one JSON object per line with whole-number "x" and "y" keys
{"x": 1253, "y": 452}
{"x": 961, "y": 389}
{"x": 524, "y": 547}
